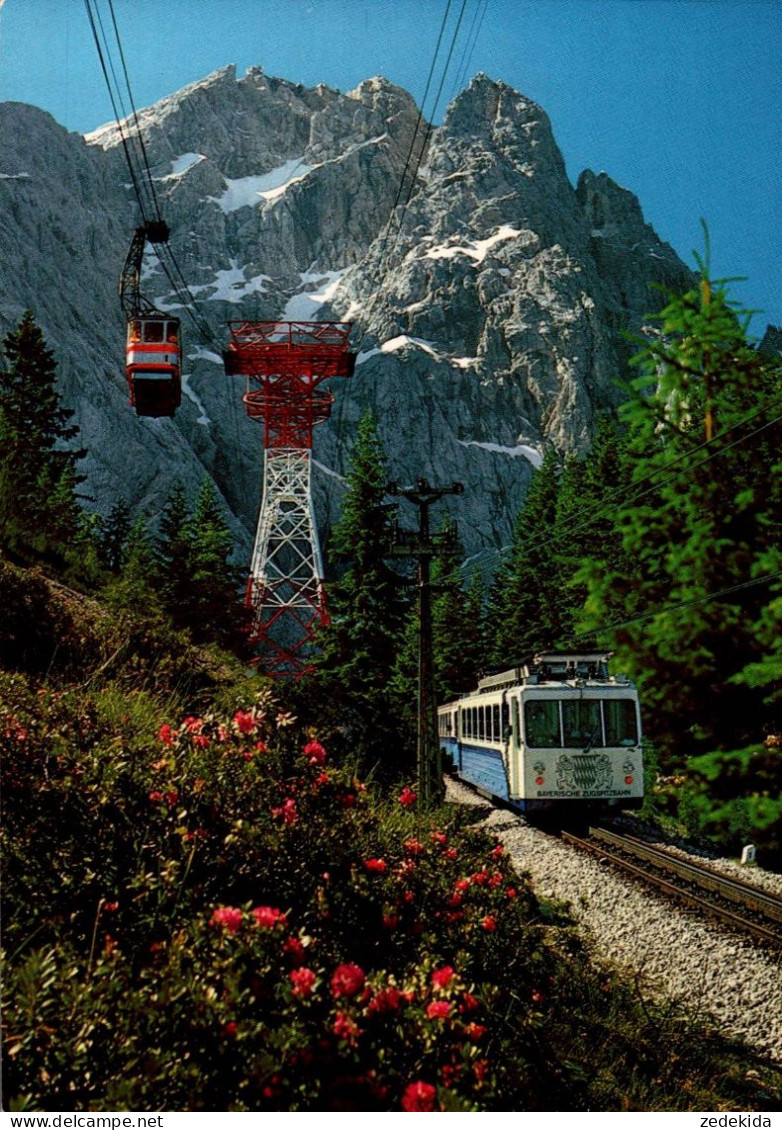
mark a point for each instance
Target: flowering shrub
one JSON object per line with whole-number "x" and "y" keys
{"x": 216, "y": 917}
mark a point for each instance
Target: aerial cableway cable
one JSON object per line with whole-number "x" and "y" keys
{"x": 407, "y": 182}
{"x": 395, "y": 220}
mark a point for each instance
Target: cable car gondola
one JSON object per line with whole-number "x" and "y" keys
{"x": 154, "y": 349}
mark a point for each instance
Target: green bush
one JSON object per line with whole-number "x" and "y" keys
{"x": 213, "y": 916}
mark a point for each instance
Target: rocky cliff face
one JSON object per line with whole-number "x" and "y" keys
{"x": 488, "y": 314}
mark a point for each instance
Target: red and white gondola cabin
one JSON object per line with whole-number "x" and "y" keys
{"x": 154, "y": 364}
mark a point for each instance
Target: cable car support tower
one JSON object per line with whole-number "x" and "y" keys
{"x": 285, "y": 364}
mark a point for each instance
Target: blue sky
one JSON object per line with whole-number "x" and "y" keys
{"x": 678, "y": 100}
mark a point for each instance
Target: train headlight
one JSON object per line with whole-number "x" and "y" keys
{"x": 538, "y": 780}
{"x": 628, "y": 780}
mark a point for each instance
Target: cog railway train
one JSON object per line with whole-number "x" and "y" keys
{"x": 555, "y": 734}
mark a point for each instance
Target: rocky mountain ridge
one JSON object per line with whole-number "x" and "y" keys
{"x": 488, "y": 313}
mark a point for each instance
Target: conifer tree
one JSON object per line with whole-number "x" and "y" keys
{"x": 174, "y": 548}
{"x": 701, "y": 528}
{"x": 113, "y": 534}
{"x": 525, "y": 612}
{"x": 359, "y": 645}
{"x": 211, "y": 607}
{"x": 39, "y": 513}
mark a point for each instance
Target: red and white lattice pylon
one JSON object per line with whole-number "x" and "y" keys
{"x": 285, "y": 364}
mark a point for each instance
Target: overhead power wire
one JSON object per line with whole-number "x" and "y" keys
{"x": 666, "y": 608}
{"x": 620, "y": 498}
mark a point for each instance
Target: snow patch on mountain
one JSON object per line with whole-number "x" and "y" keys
{"x": 246, "y": 192}
{"x": 230, "y": 285}
{"x": 476, "y": 249}
{"x": 181, "y": 164}
{"x": 191, "y": 394}
{"x": 304, "y": 306}
{"x": 534, "y": 457}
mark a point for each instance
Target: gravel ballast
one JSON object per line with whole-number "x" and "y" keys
{"x": 671, "y": 951}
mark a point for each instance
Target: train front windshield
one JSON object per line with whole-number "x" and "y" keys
{"x": 576, "y": 723}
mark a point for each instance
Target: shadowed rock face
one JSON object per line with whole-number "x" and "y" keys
{"x": 488, "y": 313}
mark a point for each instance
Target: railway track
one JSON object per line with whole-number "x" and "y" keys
{"x": 740, "y": 905}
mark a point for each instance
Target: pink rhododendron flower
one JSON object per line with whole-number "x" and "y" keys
{"x": 511, "y": 892}
{"x": 229, "y": 1030}
{"x": 245, "y": 722}
{"x": 347, "y": 980}
{"x": 166, "y": 734}
{"x": 294, "y": 950}
{"x": 407, "y": 797}
{"x": 439, "y": 837}
{"x": 489, "y": 923}
{"x": 377, "y": 865}
{"x": 315, "y": 753}
{"x": 385, "y": 1000}
{"x": 230, "y": 917}
{"x": 287, "y": 812}
{"x": 438, "y": 1010}
{"x": 346, "y": 1029}
{"x": 268, "y": 917}
{"x": 302, "y": 980}
{"x": 475, "y": 1031}
{"x": 193, "y": 725}
{"x": 419, "y": 1097}
{"x": 201, "y": 740}
{"x": 156, "y": 796}
{"x": 497, "y": 852}
{"x": 469, "y": 1003}
{"x": 414, "y": 846}
{"x": 441, "y": 978}
{"x": 450, "y": 853}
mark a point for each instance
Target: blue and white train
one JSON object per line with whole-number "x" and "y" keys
{"x": 558, "y": 732}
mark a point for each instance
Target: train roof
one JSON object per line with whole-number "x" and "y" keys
{"x": 555, "y": 667}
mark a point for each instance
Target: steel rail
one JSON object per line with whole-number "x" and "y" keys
{"x": 735, "y": 890}
{"x": 607, "y": 849}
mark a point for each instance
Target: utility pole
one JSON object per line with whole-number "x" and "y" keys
{"x": 423, "y": 545}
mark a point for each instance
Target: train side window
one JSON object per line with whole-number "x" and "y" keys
{"x": 541, "y": 723}
{"x": 153, "y": 331}
{"x": 495, "y": 721}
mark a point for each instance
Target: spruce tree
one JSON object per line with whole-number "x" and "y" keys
{"x": 113, "y": 534}
{"x": 210, "y": 606}
{"x": 358, "y": 647}
{"x": 39, "y": 514}
{"x": 174, "y": 549}
{"x": 525, "y": 612}
{"x": 701, "y": 528}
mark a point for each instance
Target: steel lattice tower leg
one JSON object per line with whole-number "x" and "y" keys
{"x": 285, "y": 364}
{"x": 285, "y": 588}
